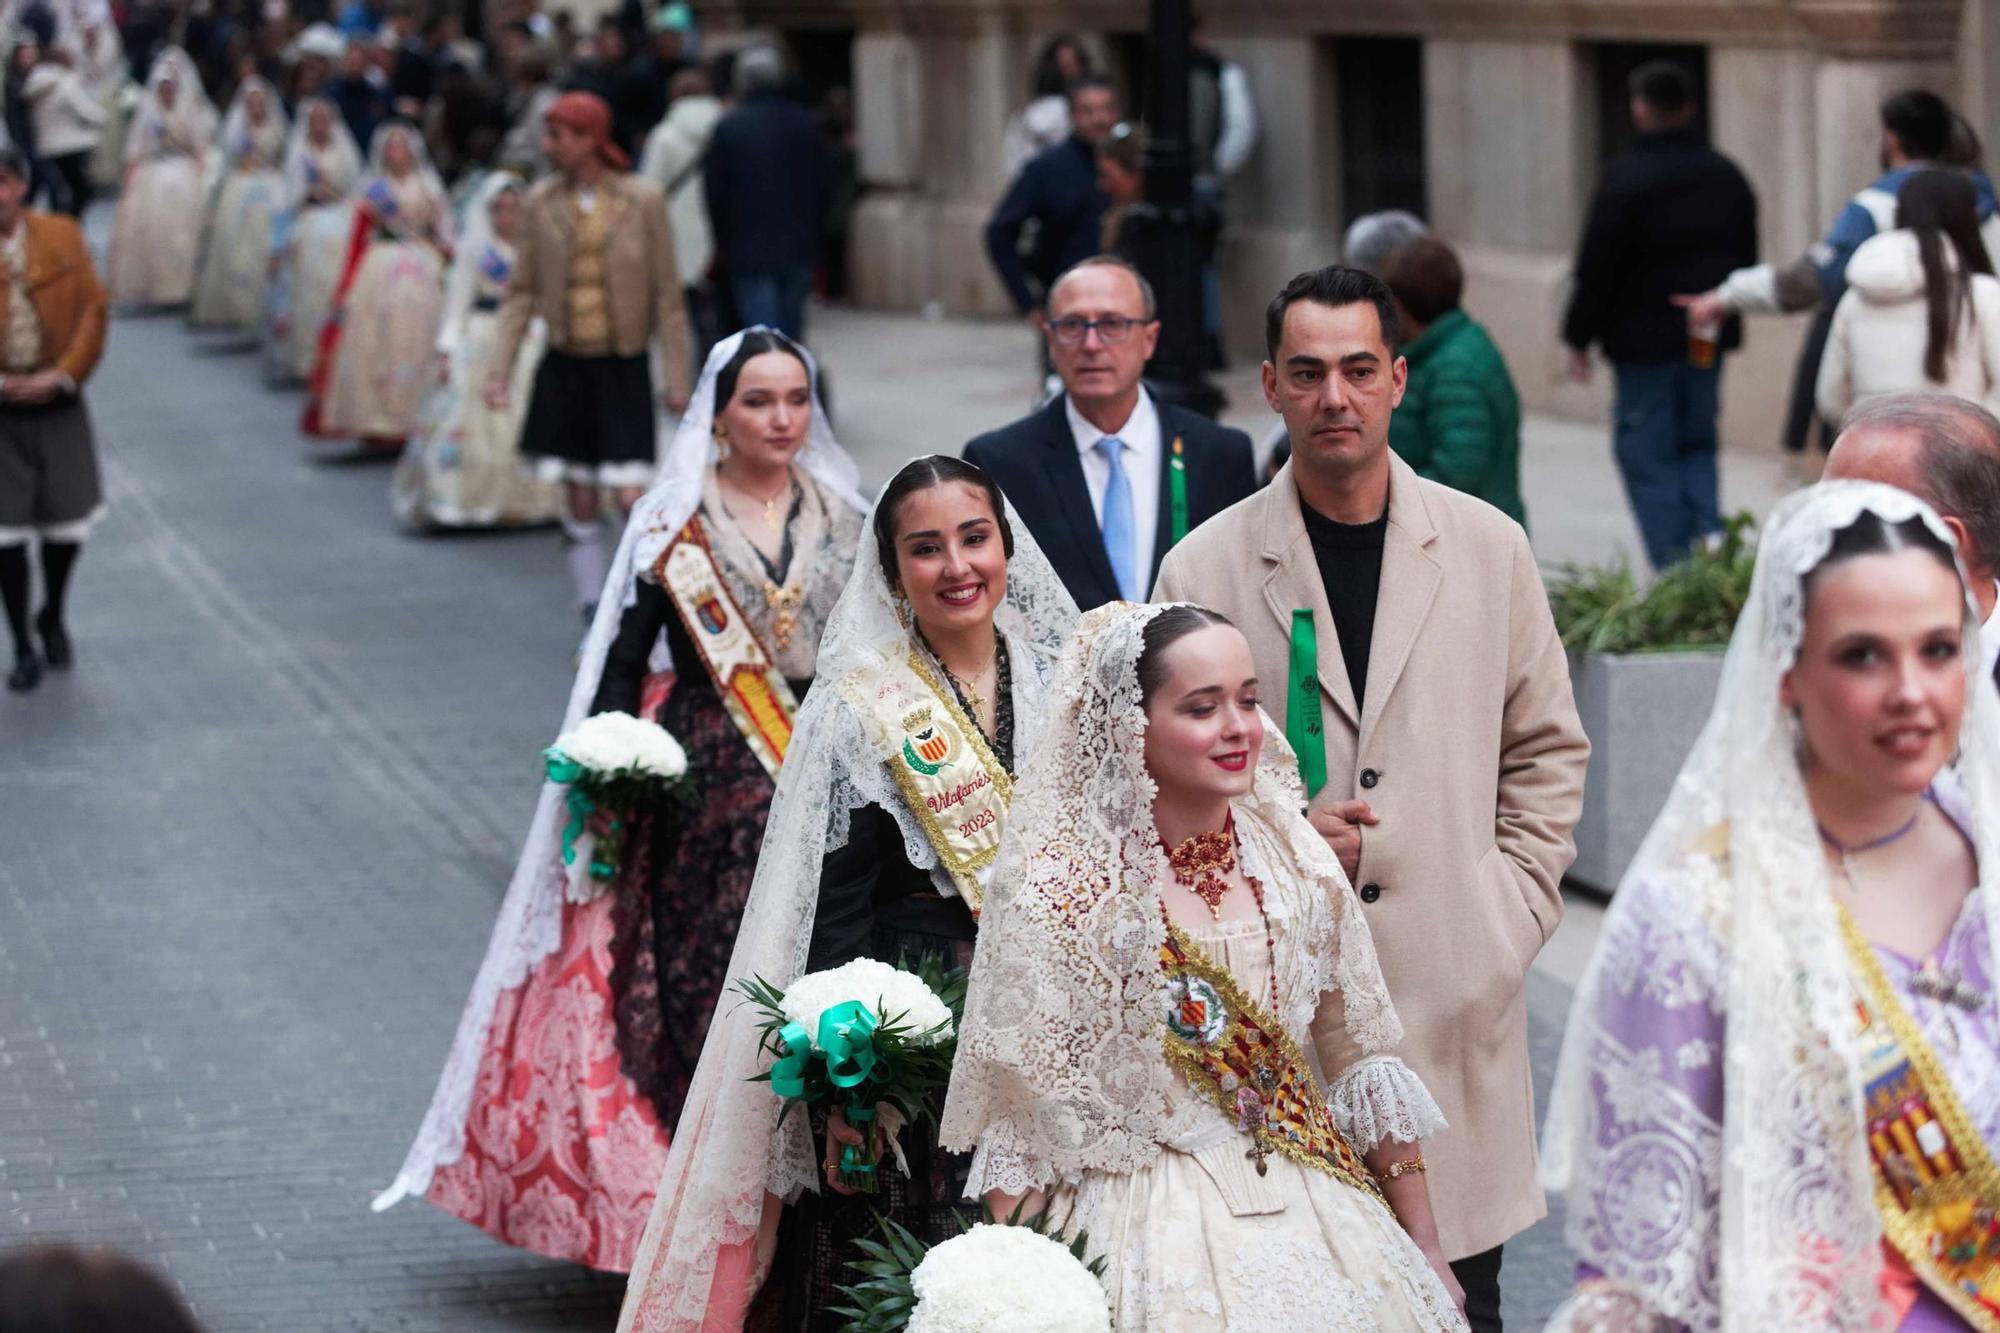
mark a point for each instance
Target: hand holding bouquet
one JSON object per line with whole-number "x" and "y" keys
{"x": 612, "y": 764}
{"x": 858, "y": 1036}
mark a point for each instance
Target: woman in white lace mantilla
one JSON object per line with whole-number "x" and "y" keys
{"x": 944, "y": 648}
{"x": 1177, "y": 1038}
{"x": 247, "y": 191}
{"x": 158, "y": 230}
{"x": 1780, "y": 1088}
{"x": 551, "y": 1121}
{"x": 310, "y": 239}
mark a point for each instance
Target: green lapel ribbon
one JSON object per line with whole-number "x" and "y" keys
{"x": 1305, "y": 728}
{"x": 565, "y": 770}
{"x": 788, "y": 1073}
{"x": 847, "y": 1039}
{"x": 1177, "y": 501}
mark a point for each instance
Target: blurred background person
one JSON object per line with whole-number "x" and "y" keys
{"x": 158, "y": 229}
{"x": 236, "y": 246}
{"x": 310, "y": 239}
{"x": 1922, "y": 309}
{"x": 62, "y": 1289}
{"x": 1055, "y": 200}
{"x": 1044, "y": 121}
{"x": 1373, "y": 237}
{"x": 1460, "y": 419}
{"x": 68, "y": 119}
{"x": 765, "y": 180}
{"x": 672, "y": 160}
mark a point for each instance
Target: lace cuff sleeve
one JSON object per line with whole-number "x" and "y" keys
{"x": 1005, "y": 1160}
{"x": 1382, "y": 1098}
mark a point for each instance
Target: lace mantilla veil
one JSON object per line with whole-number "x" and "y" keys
{"x": 728, "y": 1151}
{"x": 529, "y": 927}
{"x": 1766, "y": 1220}
{"x": 340, "y": 159}
{"x": 1061, "y": 1067}
{"x": 192, "y": 110}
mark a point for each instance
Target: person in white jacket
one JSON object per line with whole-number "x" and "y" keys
{"x": 69, "y": 119}
{"x": 1922, "y": 308}
{"x": 672, "y": 160}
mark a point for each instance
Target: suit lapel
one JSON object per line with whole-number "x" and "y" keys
{"x": 1410, "y": 578}
{"x": 1292, "y": 582}
{"x": 558, "y": 205}
{"x": 1065, "y": 475}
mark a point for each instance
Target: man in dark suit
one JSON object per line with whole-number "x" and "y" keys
{"x": 1946, "y": 451}
{"x": 1058, "y": 191}
{"x": 1106, "y": 476}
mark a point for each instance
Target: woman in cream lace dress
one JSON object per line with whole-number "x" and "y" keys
{"x": 236, "y": 250}
{"x": 1177, "y": 1038}
{"x": 158, "y": 230}
{"x": 309, "y": 244}
{"x": 463, "y": 466}
{"x": 375, "y": 364}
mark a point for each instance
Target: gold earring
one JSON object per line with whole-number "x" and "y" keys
{"x": 721, "y": 438}
{"x": 902, "y": 606}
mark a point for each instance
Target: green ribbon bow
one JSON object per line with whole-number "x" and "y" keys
{"x": 847, "y": 1039}
{"x": 565, "y": 770}
{"x": 788, "y": 1073}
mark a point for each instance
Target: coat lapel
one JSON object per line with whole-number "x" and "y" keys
{"x": 1065, "y": 474}
{"x": 1410, "y": 578}
{"x": 1292, "y": 582}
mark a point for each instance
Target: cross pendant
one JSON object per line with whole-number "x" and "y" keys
{"x": 1259, "y": 1150}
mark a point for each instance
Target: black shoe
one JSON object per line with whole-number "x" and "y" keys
{"x": 27, "y": 672}
{"x": 55, "y": 642}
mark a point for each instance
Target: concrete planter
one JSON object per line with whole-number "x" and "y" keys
{"x": 1642, "y": 714}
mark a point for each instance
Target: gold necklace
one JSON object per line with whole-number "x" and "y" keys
{"x": 772, "y": 518}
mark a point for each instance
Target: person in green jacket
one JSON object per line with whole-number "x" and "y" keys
{"x": 1460, "y": 420}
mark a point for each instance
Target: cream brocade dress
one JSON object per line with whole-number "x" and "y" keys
{"x": 1198, "y": 1242}
{"x": 384, "y": 361}
{"x": 158, "y": 227}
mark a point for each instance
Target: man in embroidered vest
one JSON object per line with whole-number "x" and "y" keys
{"x": 53, "y": 334}
{"x": 597, "y": 266}
{"x": 1439, "y": 742}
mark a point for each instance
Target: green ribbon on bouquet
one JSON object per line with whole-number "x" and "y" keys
{"x": 788, "y": 1073}
{"x": 847, "y": 1038}
{"x": 566, "y": 771}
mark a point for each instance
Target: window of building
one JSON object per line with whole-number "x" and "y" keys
{"x": 1379, "y": 91}
{"x": 1615, "y": 62}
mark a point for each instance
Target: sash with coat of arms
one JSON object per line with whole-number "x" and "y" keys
{"x": 942, "y": 764}
{"x": 753, "y": 691}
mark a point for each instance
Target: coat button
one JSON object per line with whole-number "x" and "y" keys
{"x": 1370, "y": 892}
{"x": 1369, "y": 777}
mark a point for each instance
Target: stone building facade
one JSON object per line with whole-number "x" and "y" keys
{"x": 1516, "y": 103}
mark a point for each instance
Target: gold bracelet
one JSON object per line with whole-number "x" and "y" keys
{"x": 1405, "y": 1167}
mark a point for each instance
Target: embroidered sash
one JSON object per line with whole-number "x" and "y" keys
{"x": 942, "y": 764}
{"x": 753, "y": 691}
{"x": 1240, "y": 1058}
{"x": 1936, "y": 1187}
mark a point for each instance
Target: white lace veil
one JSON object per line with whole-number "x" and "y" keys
{"x": 529, "y": 926}
{"x": 476, "y": 237}
{"x": 728, "y": 1151}
{"x": 268, "y": 139}
{"x": 1752, "y": 936}
{"x": 1061, "y": 1066}
{"x": 339, "y": 163}
{"x": 192, "y": 109}
{"x": 378, "y": 168}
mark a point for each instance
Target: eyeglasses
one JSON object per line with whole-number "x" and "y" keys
{"x": 1071, "y": 330}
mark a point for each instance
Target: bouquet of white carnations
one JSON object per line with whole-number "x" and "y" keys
{"x": 995, "y": 1276}
{"x": 861, "y": 1035}
{"x": 613, "y": 763}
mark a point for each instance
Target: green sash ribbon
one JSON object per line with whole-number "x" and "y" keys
{"x": 1177, "y": 501}
{"x": 1305, "y": 728}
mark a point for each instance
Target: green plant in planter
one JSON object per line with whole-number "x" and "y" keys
{"x": 1692, "y": 604}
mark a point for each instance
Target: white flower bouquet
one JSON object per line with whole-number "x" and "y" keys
{"x": 861, "y": 1035}
{"x": 993, "y": 1277}
{"x": 613, "y": 764}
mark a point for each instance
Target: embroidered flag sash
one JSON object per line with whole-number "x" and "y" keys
{"x": 1240, "y": 1058}
{"x": 1936, "y": 1187}
{"x": 942, "y": 764}
{"x": 753, "y": 690}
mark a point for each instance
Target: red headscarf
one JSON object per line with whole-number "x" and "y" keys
{"x": 587, "y": 114}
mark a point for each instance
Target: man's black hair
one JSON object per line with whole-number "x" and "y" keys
{"x": 1335, "y": 285}
{"x": 1664, "y": 86}
{"x": 1921, "y": 121}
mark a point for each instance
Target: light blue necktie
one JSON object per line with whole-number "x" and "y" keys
{"x": 1117, "y": 523}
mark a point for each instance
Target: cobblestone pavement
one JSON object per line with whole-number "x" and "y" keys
{"x": 253, "y": 846}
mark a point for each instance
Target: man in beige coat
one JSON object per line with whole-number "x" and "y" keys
{"x": 1432, "y": 690}
{"x": 596, "y": 265}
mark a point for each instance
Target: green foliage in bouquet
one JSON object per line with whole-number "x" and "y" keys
{"x": 883, "y": 1298}
{"x": 1691, "y": 604}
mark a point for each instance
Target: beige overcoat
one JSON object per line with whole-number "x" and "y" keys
{"x": 642, "y": 288}
{"x": 1470, "y": 750}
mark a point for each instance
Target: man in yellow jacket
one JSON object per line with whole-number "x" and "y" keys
{"x": 52, "y": 318}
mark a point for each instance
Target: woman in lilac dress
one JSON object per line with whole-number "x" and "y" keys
{"x": 1781, "y": 1078}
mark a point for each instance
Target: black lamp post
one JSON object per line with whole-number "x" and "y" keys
{"x": 1161, "y": 232}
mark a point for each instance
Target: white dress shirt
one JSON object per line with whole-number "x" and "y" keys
{"x": 1141, "y": 459}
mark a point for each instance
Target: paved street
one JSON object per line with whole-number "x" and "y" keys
{"x": 255, "y": 841}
